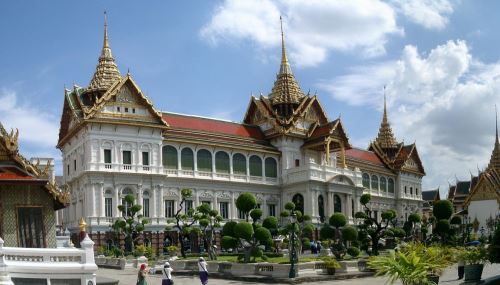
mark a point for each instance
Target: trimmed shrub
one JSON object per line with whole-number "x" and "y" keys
{"x": 360, "y": 215}
{"x": 337, "y": 220}
{"x": 256, "y": 214}
{"x": 290, "y": 206}
{"x": 246, "y": 202}
{"x": 414, "y": 218}
{"x": 388, "y": 215}
{"x": 442, "y": 209}
{"x": 262, "y": 234}
{"x": 270, "y": 222}
{"x": 365, "y": 199}
{"x": 442, "y": 226}
{"x": 228, "y": 242}
{"x": 456, "y": 220}
{"x": 353, "y": 251}
{"x": 349, "y": 233}
{"x": 228, "y": 228}
{"x": 243, "y": 230}
{"x": 326, "y": 232}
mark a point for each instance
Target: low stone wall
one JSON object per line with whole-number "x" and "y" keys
{"x": 114, "y": 263}
{"x": 272, "y": 270}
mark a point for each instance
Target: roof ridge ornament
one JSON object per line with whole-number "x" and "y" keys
{"x": 495, "y": 155}
{"x": 385, "y": 137}
{"x": 286, "y": 94}
{"x": 107, "y": 71}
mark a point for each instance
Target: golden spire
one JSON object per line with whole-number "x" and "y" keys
{"x": 385, "y": 136}
{"x": 286, "y": 90}
{"x": 106, "y": 71}
{"x": 495, "y": 155}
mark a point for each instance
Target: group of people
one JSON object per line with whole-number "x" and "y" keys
{"x": 167, "y": 273}
{"x": 315, "y": 247}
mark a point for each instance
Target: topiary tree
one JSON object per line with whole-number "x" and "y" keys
{"x": 303, "y": 228}
{"x": 246, "y": 202}
{"x": 375, "y": 229}
{"x": 442, "y": 209}
{"x": 271, "y": 223}
{"x": 184, "y": 220}
{"x": 209, "y": 220}
{"x": 442, "y": 212}
{"x": 131, "y": 224}
{"x": 250, "y": 236}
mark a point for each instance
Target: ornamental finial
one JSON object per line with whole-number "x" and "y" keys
{"x": 285, "y": 66}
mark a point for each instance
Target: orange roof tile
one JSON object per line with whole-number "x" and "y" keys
{"x": 212, "y": 125}
{"x": 364, "y": 155}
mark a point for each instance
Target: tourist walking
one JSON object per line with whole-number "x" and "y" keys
{"x": 141, "y": 275}
{"x": 461, "y": 269}
{"x": 167, "y": 275}
{"x": 318, "y": 247}
{"x": 202, "y": 267}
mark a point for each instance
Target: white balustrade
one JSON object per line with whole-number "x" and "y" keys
{"x": 49, "y": 263}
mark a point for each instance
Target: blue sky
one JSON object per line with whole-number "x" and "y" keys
{"x": 439, "y": 60}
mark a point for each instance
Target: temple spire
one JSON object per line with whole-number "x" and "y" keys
{"x": 385, "y": 136}
{"x": 285, "y": 65}
{"x": 286, "y": 93}
{"x": 106, "y": 72}
{"x": 495, "y": 155}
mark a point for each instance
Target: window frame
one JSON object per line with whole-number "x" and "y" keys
{"x": 38, "y": 217}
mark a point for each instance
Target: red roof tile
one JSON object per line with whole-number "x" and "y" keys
{"x": 212, "y": 126}
{"x": 364, "y": 155}
{"x": 13, "y": 176}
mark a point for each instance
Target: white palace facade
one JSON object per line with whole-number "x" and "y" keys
{"x": 114, "y": 142}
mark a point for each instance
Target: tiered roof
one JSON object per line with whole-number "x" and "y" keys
{"x": 15, "y": 169}
{"x": 107, "y": 71}
{"x": 396, "y": 156}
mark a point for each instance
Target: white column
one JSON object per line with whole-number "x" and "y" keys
{"x": 232, "y": 208}
{"x": 179, "y": 159}
{"x": 196, "y": 198}
{"x": 101, "y": 200}
{"x": 116, "y": 202}
{"x": 349, "y": 206}
{"x": 264, "y": 169}
{"x": 162, "y": 203}
{"x": 154, "y": 190}
{"x": 216, "y": 205}
{"x": 265, "y": 212}
{"x": 139, "y": 195}
{"x": 93, "y": 203}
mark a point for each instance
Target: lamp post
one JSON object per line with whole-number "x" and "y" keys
{"x": 293, "y": 253}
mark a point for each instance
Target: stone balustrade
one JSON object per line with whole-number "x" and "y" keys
{"x": 68, "y": 265}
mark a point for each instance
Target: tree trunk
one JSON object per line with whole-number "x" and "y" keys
{"x": 183, "y": 252}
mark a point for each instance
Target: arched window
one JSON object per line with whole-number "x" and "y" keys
{"x": 391, "y": 185}
{"x": 411, "y": 190}
{"x": 204, "y": 160}
{"x": 222, "y": 162}
{"x": 187, "y": 159}
{"x": 337, "y": 204}
{"x": 383, "y": 184}
{"x": 374, "y": 182}
{"x": 352, "y": 208}
{"x": 271, "y": 168}
{"x": 416, "y": 191}
{"x": 321, "y": 208}
{"x": 169, "y": 157}
{"x": 366, "y": 180}
{"x": 298, "y": 200}
{"x": 239, "y": 164}
{"x": 145, "y": 203}
{"x": 255, "y": 166}
{"x": 108, "y": 203}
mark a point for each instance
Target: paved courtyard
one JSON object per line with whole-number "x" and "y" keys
{"x": 129, "y": 276}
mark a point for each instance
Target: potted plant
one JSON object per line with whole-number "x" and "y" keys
{"x": 331, "y": 264}
{"x": 172, "y": 250}
{"x": 474, "y": 258}
{"x": 407, "y": 266}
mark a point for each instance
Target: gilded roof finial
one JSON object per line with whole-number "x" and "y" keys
{"x": 286, "y": 90}
{"x": 495, "y": 155}
{"x": 106, "y": 71}
{"x": 285, "y": 66}
{"x": 385, "y": 136}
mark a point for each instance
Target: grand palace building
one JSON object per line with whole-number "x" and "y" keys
{"x": 115, "y": 142}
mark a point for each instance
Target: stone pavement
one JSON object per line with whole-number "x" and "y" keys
{"x": 129, "y": 277}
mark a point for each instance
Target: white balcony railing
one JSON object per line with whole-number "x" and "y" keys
{"x": 221, "y": 176}
{"x": 66, "y": 265}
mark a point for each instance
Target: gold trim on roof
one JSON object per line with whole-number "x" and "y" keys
{"x": 385, "y": 138}
{"x": 106, "y": 71}
{"x": 495, "y": 154}
{"x": 286, "y": 90}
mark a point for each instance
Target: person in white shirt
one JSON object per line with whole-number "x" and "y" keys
{"x": 167, "y": 275}
{"x": 202, "y": 267}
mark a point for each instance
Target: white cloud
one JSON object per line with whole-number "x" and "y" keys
{"x": 312, "y": 27}
{"x": 444, "y": 101}
{"x": 38, "y": 130}
{"x": 431, "y": 14}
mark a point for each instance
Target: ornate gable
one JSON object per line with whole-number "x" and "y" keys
{"x": 125, "y": 103}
